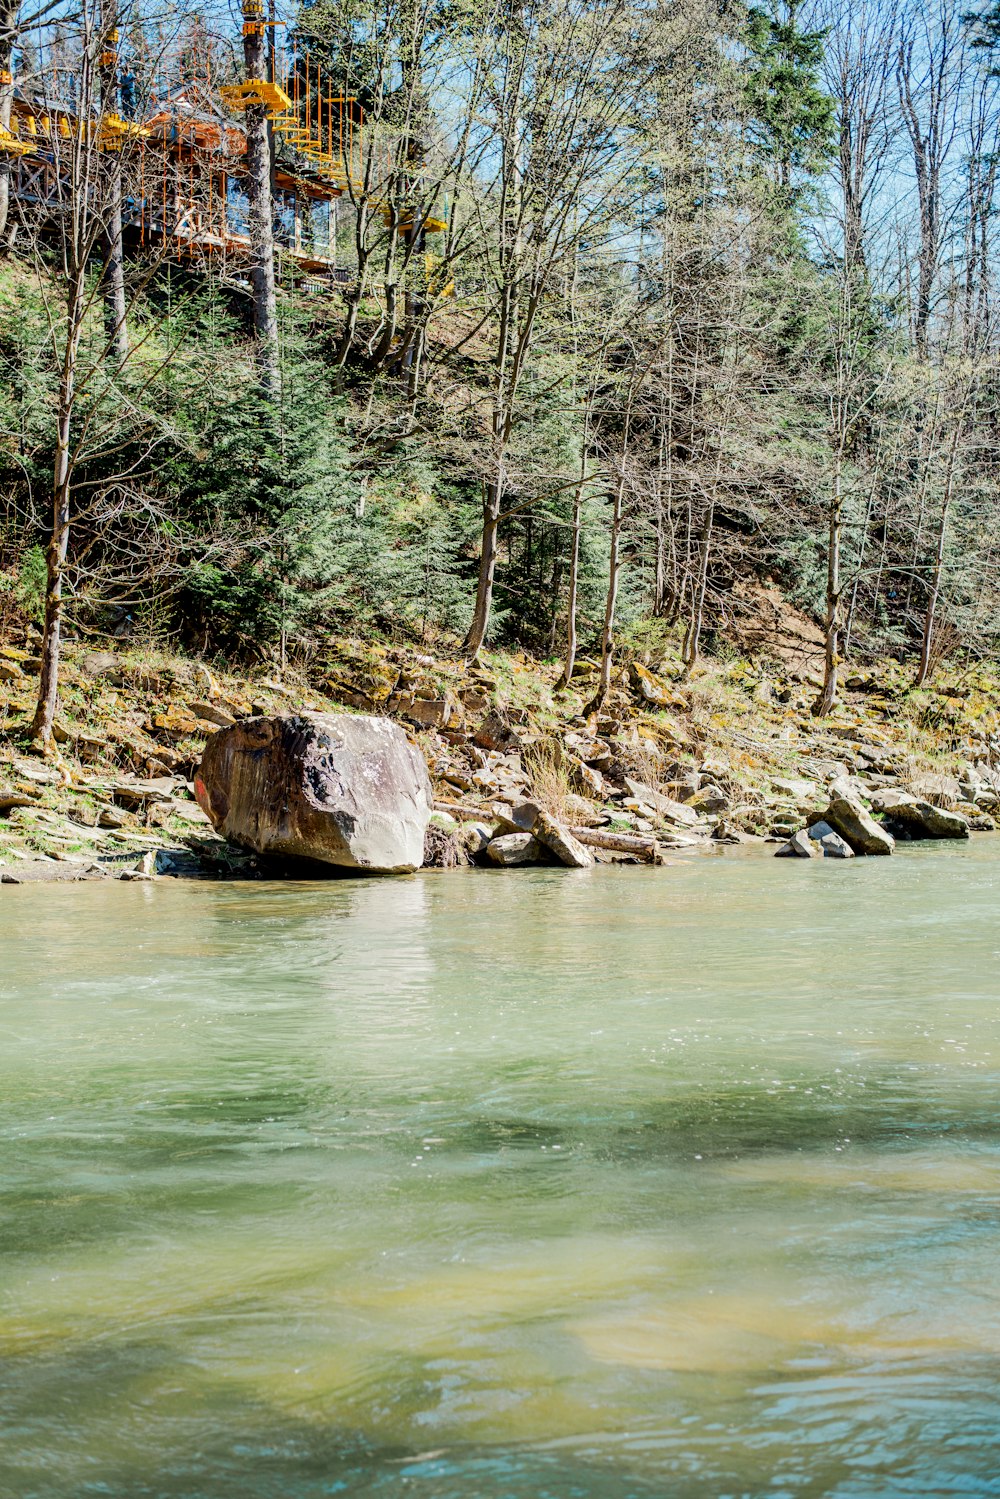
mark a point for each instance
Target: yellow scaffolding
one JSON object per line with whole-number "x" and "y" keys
{"x": 256, "y": 91}
{"x": 113, "y": 132}
{"x": 11, "y": 146}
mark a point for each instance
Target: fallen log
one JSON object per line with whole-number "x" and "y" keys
{"x": 464, "y": 813}
{"x": 623, "y": 843}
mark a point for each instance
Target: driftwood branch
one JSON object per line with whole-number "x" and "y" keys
{"x": 623, "y": 843}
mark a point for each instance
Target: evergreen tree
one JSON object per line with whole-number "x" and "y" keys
{"x": 790, "y": 119}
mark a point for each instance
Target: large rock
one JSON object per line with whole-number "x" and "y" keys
{"x": 342, "y": 789}
{"x": 561, "y": 843}
{"x": 829, "y": 843}
{"x": 909, "y": 817}
{"x": 857, "y": 827}
{"x": 510, "y": 849}
{"x": 799, "y": 846}
{"x": 649, "y": 688}
{"x": 529, "y": 817}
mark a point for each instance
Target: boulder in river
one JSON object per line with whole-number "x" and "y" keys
{"x": 816, "y": 842}
{"x": 828, "y": 843}
{"x": 857, "y": 827}
{"x": 909, "y": 817}
{"x": 799, "y": 846}
{"x": 342, "y": 789}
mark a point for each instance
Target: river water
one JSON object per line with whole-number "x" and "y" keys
{"x": 522, "y": 1185}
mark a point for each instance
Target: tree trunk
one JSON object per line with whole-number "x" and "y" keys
{"x": 660, "y": 574}
{"x": 855, "y": 588}
{"x": 260, "y": 214}
{"x": 113, "y": 277}
{"x": 614, "y": 575}
{"x": 625, "y": 843}
{"x": 476, "y": 635}
{"x": 55, "y": 557}
{"x": 8, "y": 36}
{"x": 569, "y": 661}
{"x": 831, "y": 656}
{"x": 692, "y": 635}
{"x": 930, "y": 615}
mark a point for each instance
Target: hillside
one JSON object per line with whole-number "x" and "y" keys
{"x": 732, "y": 755}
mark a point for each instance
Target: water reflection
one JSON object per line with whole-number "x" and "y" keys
{"x": 673, "y": 1181}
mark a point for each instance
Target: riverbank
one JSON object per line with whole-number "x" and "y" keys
{"x": 731, "y": 755}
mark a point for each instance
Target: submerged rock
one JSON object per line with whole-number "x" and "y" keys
{"x": 799, "y": 846}
{"x": 345, "y": 790}
{"x": 816, "y": 842}
{"x": 829, "y": 843}
{"x": 45, "y": 871}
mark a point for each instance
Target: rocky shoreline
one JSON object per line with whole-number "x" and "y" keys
{"x": 518, "y": 769}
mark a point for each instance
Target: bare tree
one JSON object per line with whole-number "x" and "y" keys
{"x": 931, "y": 69}
{"x": 561, "y": 88}
{"x": 67, "y": 224}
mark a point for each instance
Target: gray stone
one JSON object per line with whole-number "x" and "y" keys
{"x": 819, "y": 830}
{"x": 475, "y": 838}
{"x": 649, "y": 687}
{"x": 683, "y": 787}
{"x": 135, "y": 794}
{"x": 726, "y": 832}
{"x": 342, "y": 789}
{"x": 799, "y": 846}
{"x": 588, "y": 778}
{"x": 188, "y": 812}
{"x": 212, "y": 713}
{"x": 929, "y": 783}
{"x": 11, "y": 797}
{"x": 709, "y": 798}
{"x": 665, "y": 806}
{"x": 514, "y": 848}
{"x": 96, "y": 664}
{"x": 523, "y": 817}
{"x": 912, "y": 818}
{"x": 529, "y": 817}
{"x": 857, "y": 827}
{"x": 561, "y": 842}
{"x": 431, "y": 713}
{"x": 834, "y": 847}
{"x": 792, "y": 786}
{"x": 112, "y": 817}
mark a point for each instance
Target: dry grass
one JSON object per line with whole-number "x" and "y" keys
{"x": 548, "y": 776}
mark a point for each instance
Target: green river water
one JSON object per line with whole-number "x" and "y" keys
{"x": 536, "y": 1183}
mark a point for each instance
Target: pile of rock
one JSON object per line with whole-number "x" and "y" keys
{"x": 847, "y": 828}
